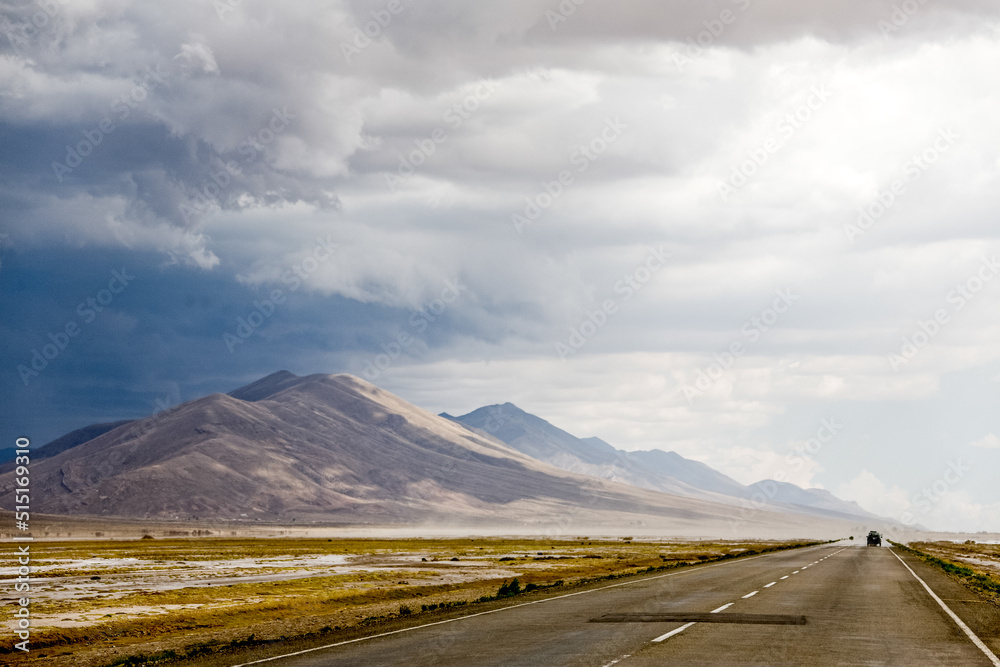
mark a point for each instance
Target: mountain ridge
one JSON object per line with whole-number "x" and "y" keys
{"x": 655, "y": 469}
{"x": 337, "y": 448}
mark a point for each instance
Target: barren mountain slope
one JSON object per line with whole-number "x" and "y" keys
{"x": 336, "y": 448}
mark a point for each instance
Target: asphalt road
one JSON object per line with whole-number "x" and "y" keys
{"x": 832, "y": 605}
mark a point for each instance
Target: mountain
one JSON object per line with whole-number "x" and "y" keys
{"x": 534, "y": 436}
{"x": 335, "y": 448}
{"x": 61, "y": 444}
{"x": 694, "y": 473}
{"x": 656, "y": 470}
{"x": 817, "y": 501}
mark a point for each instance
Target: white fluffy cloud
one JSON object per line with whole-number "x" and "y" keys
{"x": 989, "y": 441}
{"x": 876, "y": 496}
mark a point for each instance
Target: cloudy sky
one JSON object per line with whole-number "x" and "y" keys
{"x": 761, "y": 233}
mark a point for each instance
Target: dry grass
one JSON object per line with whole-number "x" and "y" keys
{"x": 975, "y": 565}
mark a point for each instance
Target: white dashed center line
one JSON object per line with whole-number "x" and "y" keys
{"x": 673, "y": 632}
{"x": 684, "y": 627}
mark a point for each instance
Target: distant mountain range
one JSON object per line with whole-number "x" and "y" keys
{"x": 334, "y": 448}
{"x": 657, "y": 470}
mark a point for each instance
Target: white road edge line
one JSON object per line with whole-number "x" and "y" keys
{"x": 750, "y": 595}
{"x": 673, "y": 632}
{"x": 523, "y": 604}
{"x": 972, "y": 635}
{"x": 722, "y": 608}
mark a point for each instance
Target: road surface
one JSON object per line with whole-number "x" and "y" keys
{"x": 838, "y": 604}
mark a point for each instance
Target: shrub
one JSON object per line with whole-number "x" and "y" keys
{"x": 509, "y": 590}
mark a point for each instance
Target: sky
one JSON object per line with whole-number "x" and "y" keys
{"x": 760, "y": 233}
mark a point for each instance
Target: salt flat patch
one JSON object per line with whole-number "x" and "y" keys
{"x": 331, "y": 559}
{"x": 74, "y": 564}
{"x": 82, "y": 619}
{"x": 119, "y": 577}
{"x": 991, "y": 564}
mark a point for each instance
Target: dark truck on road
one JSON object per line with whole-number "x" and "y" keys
{"x": 874, "y": 539}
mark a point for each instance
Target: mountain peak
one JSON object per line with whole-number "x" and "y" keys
{"x": 506, "y": 408}
{"x": 265, "y": 387}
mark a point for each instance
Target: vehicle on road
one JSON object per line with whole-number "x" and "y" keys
{"x": 874, "y": 539}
